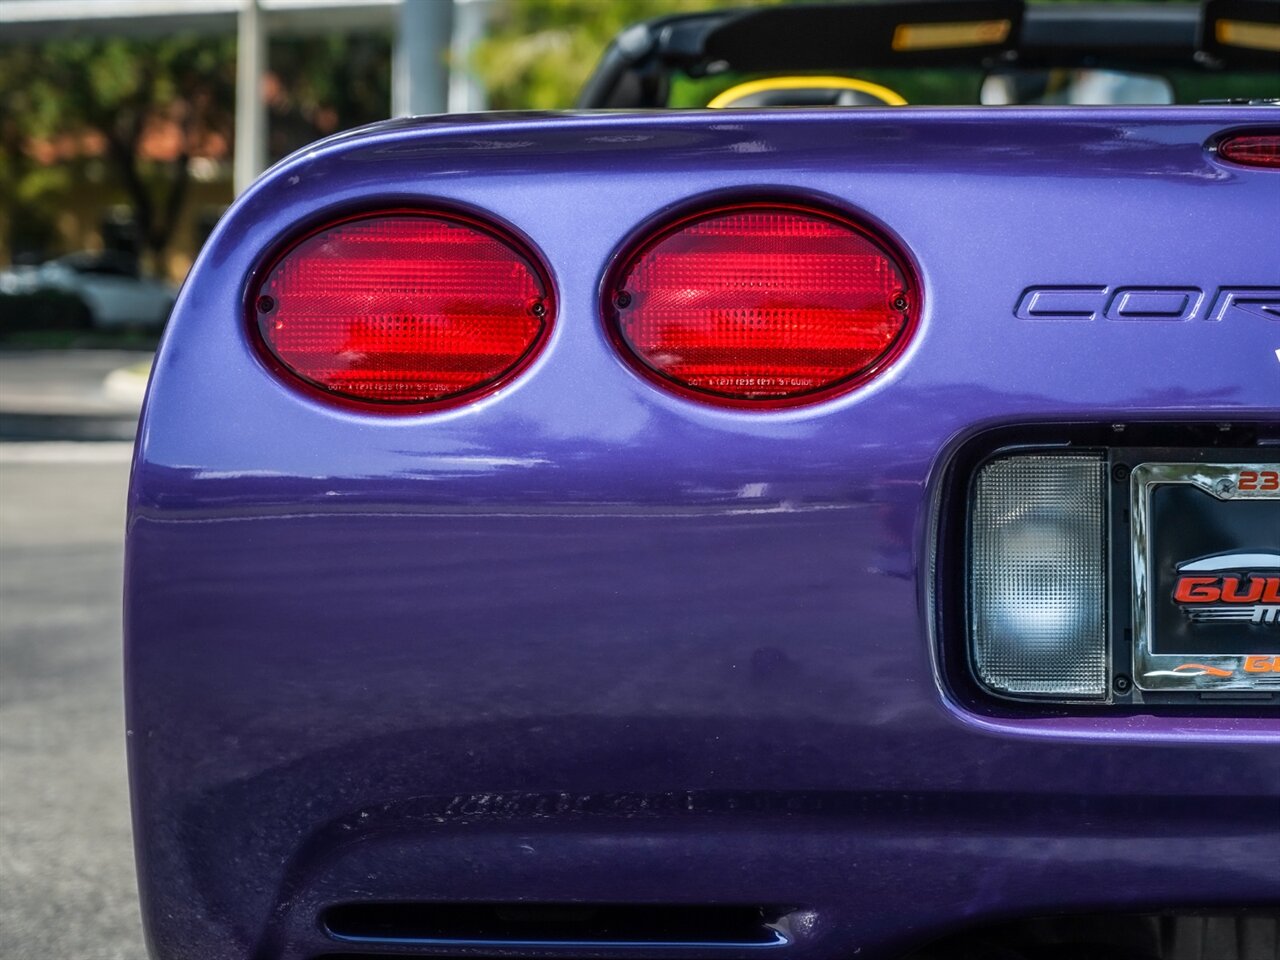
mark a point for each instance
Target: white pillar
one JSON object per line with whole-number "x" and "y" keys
{"x": 420, "y": 66}
{"x": 466, "y": 92}
{"x": 251, "y": 113}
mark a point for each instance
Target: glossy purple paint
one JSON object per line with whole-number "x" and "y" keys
{"x": 587, "y": 640}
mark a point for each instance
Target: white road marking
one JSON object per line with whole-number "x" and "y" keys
{"x": 66, "y": 451}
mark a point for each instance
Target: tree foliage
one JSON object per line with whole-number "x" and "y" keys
{"x": 321, "y": 84}
{"x": 538, "y": 53}
{"x": 68, "y": 97}
{"x": 62, "y": 92}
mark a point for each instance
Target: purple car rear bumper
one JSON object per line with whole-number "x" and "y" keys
{"x": 586, "y": 641}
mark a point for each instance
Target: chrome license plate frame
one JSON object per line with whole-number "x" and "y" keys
{"x": 1206, "y": 672}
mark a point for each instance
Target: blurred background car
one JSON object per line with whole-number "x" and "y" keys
{"x": 108, "y": 285}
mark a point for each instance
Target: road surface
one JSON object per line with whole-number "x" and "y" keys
{"x": 66, "y": 864}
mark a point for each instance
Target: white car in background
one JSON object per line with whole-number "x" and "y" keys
{"x": 108, "y": 284}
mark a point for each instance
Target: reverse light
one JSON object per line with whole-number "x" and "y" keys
{"x": 407, "y": 309}
{"x": 762, "y": 305}
{"x": 1251, "y": 149}
{"x": 1038, "y": 576}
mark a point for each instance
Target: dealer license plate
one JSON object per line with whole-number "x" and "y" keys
{"x": 1206, "y": 576}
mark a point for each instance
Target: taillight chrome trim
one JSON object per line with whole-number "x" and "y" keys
{"x": 494, "y": 228}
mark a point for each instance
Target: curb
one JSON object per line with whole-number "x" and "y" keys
{"x": 128, "y": 384}
{"x": 58, "y": 426}
{"x": 94, "y": 421}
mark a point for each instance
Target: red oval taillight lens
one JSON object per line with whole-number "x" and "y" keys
{"x": 1252, "y": 150}
{"x": 762, "y": 305}
{"x": 404, "y": 308}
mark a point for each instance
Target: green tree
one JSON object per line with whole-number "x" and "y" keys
{"x": 538, "y": 53}
{"x": 115, "y": 88}
{"x": 321, "y": 84}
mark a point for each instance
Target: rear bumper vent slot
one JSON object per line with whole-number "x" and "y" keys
{"x": 556, "y": 924}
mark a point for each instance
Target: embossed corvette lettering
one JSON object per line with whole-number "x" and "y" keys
{"x": 1089, "y": 302}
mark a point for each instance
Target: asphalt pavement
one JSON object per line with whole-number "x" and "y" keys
{"x": 67, "y": 889}
{"x": 71, "y": 394}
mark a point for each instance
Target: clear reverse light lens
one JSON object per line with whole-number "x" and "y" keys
{"x": 1038, "y": 576}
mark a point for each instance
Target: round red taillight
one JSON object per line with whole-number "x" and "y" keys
{"x": 1251, "y": 149}
{"x": 762, "y": 305}
{"x": 411, "y": 309}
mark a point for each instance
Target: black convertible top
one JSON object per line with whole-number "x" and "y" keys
{"x": 635, "y": 69}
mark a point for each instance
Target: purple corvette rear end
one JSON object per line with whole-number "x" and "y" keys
{"x": 585, "y": 643}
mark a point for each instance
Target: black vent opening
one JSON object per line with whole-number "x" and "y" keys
{"x": 500, "y": 923}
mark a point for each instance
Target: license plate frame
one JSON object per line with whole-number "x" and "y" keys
{"x": 1156, "y": 671}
